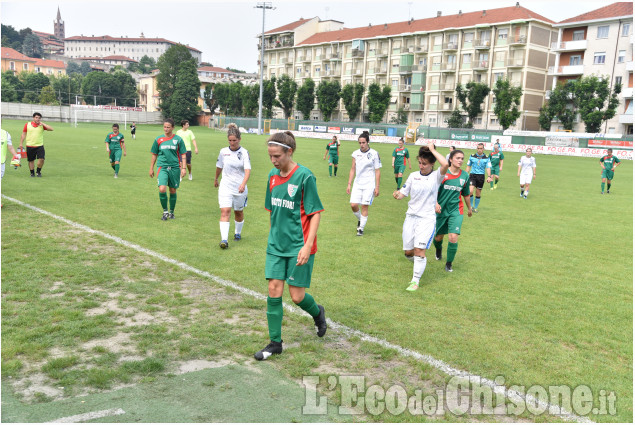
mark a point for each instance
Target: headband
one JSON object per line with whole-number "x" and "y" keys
{"x": 279, "y": 144}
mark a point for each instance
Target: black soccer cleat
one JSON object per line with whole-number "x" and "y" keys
{"x": 165, "y": 216}
{"x": 448, "y": 267}
{"x": 360, "y": 231}
{"x": 271, "y": 349}
{"x": 171, "y": 216}
{"x": 320, "y": 322}
{"x": 438, "y": 253}
{"x": 40, "y": 175}
{"x": 224, "y": 244}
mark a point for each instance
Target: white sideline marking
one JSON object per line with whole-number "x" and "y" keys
{"x": 89, "y": 416}
{"x": 515, "y": 396}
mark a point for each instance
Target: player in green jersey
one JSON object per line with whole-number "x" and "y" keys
{"x": 399, "y": 157}
{"x": 608, "y": 163}
{"x": 114, "y": 146}
{"x": 188, "y": 138}
{"x": 169, "y": 150}
{"x": 450, "y": 208}
{"x": 496, "y": 157}
{"x": 295, "y": 209}
{"x": 333, "y": 151}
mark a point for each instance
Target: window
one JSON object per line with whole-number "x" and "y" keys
{"x": 502, "y": 33}
{"x": 618, "y": 80}
{"x": 467, "y": 58}
{"x": 603, "y": 31}
{"x": 499, "y": 76}
{"x": 12, "y": 66}
{"x": 395, "y": 83}
{"x": 468, "y": 37}
{"x": 575, "y": 60}
{"x": 578, "y": 35}
{"x": 25, "y": 66}
{"x": 621, "y": 56}
{"x": 478, "y": 121}
{"x": 599, "y": 58}
{"x": 493, "y": 121}
{"x": 448, "y": 101}
{"x": 626, "y": 29}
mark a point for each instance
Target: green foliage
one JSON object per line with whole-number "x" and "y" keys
{"x": 66, "y": 86}
{"x": 32, "y": 46}
{"x": 237, "y": 71}
{"x": 235, "y": 99}
{"x": 352, "y": 95}
{"x": 221, "y": 93}
{"x": 11, "y": 38}
{"x": 268, "y": 96}
{"x": 287, "y": 89}
{"x": 506, "y": 102}
{"x": 544, "y": 119}
{"x": 31, "y": 97}
{"x": 210, "y": 100}
{"x": 401, "y": 117}
{"x": 595, "y": 101}
{"x": 561, "y": 105}
{"x": 306, "y": 98}
{"x": 103, "y": 88}
{"x": 33, "y": 82}
{"x": 169, "y": 64}
{"x": 48, "y": 96}
{"x": 12, "y": 87}
{"x": 82, "y": 69}
{"x": 471, "y": 98}
{"x": 145, "y": 65}
{"x": 126, "y": 92}
{"x": 378, "y": 101}
{"x": 456, "y": 119}
{"x": 184, "y": 105}
{"x": 250, "y": 96}
{"x": 328, "y": 96}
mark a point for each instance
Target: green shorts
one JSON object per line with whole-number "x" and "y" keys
{"x": 169, "y": 176}
{"x": 496, "y": 171}
{"x": 115, "y": 156}
{"x": 400, "y": 169}
{"x": 449, "y": 224}
{"x": 608, "y": 174}
{"x": 284, "y": 268}
{"x": 334, "y": 159}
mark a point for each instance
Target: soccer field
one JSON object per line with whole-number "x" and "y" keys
{"x": 541, "y": 292}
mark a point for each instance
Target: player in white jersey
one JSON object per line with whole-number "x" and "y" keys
{"x": 366, "y": 170}
{"x": 233, "y": 162}
{"x": 526, "y": 172}
{"x": 419, "y": 225}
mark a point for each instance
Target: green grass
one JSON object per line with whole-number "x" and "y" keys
{"x": 541, "y": 291}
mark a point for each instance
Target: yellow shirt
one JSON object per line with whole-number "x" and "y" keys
{"x": 34, "y": 135}
{"x": 187, "y": 137}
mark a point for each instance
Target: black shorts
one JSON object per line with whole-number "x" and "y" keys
{"x": 188, "y": 157}
{"x": 33, "y": 152}
{"x": 477, "y": 180}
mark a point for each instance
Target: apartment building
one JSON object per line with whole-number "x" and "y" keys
{"x": 14, "y": 61}
{"x": 133, "y": 48}
{"x": 599, "y": 43}
{"x": 423, "y": 60}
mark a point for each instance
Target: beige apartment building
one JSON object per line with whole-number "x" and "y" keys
{"x": 423, "y": 60}
{"x": 599, "y": 43}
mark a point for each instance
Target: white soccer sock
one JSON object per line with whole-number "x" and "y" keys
{"x": 358, "y": 214}
{"x": 418, "y": 268}
{"x": 238, "y": 226}
{"x": 362, "y": 221}
{"x": 224, "y": 230}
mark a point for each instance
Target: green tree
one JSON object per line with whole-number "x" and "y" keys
{"x": 328, "y": 97}
{"x": 506, "y": 102}
{"x": 250, "y": 95}
{"x": 306, "y": 98}
{"x": 85, "y": 68}
{"x": 34, "y": 82}
{"x": 287, "y": 89}
{"x": 595, "y": 101}
{"x": 235, "y": 98}
{"x": 352, "y": 95}
{"x": 221, "y": 92}
{"x": 210, "y": 99}
{"x": 471, "y": 98}
{"x": 31, "y": 97}
{"x": 32, "y": 46}
{"x": 145, "y": 65}
{"x": 169, "y": 65}
{"x": 48, "y": 96}
{"x": 456, "y": 119}
{"x": 268, "y": 96}
{"x": 378, "y": 100}
{"x": 401, "y": 117}
{"x": 544, "y": 119}
{"x": 184, "y": 106}
{"x": 12, "y": 87}
{"x": 125, "y": 88}
{"x": 561, "y": 105}
{"x": 67, "y": 87}
{"x": 10, "y": 37}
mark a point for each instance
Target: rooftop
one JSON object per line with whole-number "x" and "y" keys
{"x": 614, "y": 10}
{"x": 126, "y": 39}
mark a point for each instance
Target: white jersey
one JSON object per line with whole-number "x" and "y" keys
{"x": 233, "y": 164}
{"x": 365, "y": 165}
{"x": 527, "y": 165}
{"x": 423, "y": 192}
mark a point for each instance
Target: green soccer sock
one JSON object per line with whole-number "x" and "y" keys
{"x": 438, "y": 244}
{"x": 608, "y": 187}
{"x": 602, "y": 186}
{"x": 452, "y": 248}
{"x": 491, "y": 184}
{"x": 496, "y": 181}
{"x": 399, "y": 180}
{"x": 274, "y": 318}
{"x": 117, "y": 168}
{"x": 172, "y": 201}
{"x": 330, "y": 170}
{"x": 335, "y": 170}
{"x": 309, "y": 305}
{"x": 163, "y": 197}
{"x": 112, "y": 166}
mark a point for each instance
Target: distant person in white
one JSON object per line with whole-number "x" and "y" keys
{"x": 420, "y": 223}
{"x": 447, "y": 157}
{"x": 233, "y": 162}
{"x": 526, "y": 172}
{"x": 366, "y": 170}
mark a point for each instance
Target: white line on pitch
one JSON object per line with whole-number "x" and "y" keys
{"x": 513, "y": 395}
{"x": 89, "y": 416}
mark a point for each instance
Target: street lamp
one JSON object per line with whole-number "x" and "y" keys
{"x": 264, "y": 6}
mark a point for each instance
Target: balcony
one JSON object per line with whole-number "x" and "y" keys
{"x": 405, "y": 69}
{"x": 547, "y": 94}
{"x": 447, "y": 86}
{"x": 435, "y": 67}
{"x": 404, "y": 87}
{"x": 569, "y": 46}
{"x": 381, "y": 53}
{"x": 566, "y": 70}
{"x": 370, "y": 71}
{"x": 421, "y": 49}
{"x": 450, "y": 45}
{"x": 286, "y": 61}
{"x": 448, "y": 67}
{"x": 517, "y": 40}
{"x": 482, "y": 44}
{"x": 406, "y": 50}
{"x": 516, "y": 62}
{"x": 358, "y": 72}
{"x": 419, "y": 68}
{"x": 433, "y": 107}
{"x": 417, "y": 106}
{"x": 447, "y": 107}
{"x": 381, "y": 70}
{"x": 481, "y": 65}
{"x": 306, "y": 58}
{"x": 406, "y": 107}
{"x": 627, "y": 92}
{"x": 337, "y": 56}
{"x": 357, "y": 53}
{"x": 626, "y": 119}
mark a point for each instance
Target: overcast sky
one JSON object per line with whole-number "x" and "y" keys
{"x": 226, "y": 31}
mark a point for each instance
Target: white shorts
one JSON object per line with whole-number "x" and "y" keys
{"x": 418, "y": 232}
{"x": 2, "y": 171}
{"x": 526, "y": 178}
{"x": 362, "y": 196}
{"x": 232, "y": 199}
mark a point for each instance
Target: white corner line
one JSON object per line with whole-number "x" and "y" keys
{"x": 552, "y": 409}
{"x": 88, "y": 416}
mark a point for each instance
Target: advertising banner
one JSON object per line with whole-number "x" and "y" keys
{"x": 305, "y": 127}
{"x": 562, "y": 141}
{"x": 334, "y": 130}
